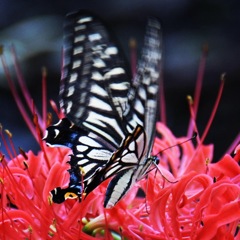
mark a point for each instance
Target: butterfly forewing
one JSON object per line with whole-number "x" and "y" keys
{"x": 95, "y": 82}
{"x": 144, "y": 106}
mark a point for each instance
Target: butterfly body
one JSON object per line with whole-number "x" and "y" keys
{"x": 110, "y": 122}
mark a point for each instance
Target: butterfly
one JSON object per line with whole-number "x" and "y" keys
{"x": 110, "y": 117}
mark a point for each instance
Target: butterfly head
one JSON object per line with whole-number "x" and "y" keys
{"x": 154, "y": 159}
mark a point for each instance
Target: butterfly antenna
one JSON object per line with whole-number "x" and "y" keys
{"x": 178, "y": 144}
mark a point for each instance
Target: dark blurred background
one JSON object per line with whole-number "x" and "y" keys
{"x": 35, "y": 28}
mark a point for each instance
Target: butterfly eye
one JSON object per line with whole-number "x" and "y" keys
{"x": 154, "y": 159}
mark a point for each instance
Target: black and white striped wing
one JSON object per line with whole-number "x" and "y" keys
{"x": 112, "y": 121}
{"x": 144, "y": 104}
{"x": 89, "y": 154}
{"x": 144, "y": 107}
{"x": 131, "y": 161}
{"x": 94, "y": 94}
{"x": 123, "y": 159}
{"x": 95, "y": 83}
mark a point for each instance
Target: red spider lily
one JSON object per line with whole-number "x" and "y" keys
{"x": 203, "y": 203}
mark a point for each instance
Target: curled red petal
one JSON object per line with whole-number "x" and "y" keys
{"x": 211, "y": 223}
{"x": 227, "y": 166}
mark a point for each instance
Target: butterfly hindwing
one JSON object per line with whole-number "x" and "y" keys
{"x": 89, "y": 154}
{"x": 119, "y": 186}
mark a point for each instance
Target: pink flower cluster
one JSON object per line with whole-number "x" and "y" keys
{"x": 200, "y": 200}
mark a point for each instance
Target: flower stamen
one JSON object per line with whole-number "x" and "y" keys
{"x": 214, "y": 108}
{"x": 16, "y": 96}
{"x": 198, "y": 87}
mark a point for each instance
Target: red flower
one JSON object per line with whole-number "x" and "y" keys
{"x": 203, "y": 203}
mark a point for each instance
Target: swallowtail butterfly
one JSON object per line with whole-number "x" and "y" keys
{"x": 110, "y": 118}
